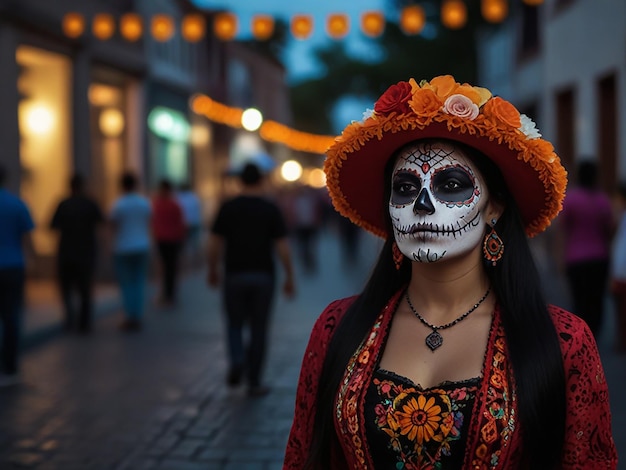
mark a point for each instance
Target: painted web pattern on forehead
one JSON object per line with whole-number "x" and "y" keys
{"x": 427, "y": 154}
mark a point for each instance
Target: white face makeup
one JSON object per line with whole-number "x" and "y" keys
{"x": 436, "y": 203}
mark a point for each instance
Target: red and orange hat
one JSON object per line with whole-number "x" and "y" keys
{"x": 443, "y": 108}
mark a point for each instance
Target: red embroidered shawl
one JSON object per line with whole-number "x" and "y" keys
{"x": 494, "y": 440}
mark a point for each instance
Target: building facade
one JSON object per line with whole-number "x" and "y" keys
{"x": 564, "y": 64}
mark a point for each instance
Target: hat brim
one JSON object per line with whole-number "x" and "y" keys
{"x": 355, "y": 166}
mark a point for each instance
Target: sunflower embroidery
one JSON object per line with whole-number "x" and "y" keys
{"x": 419, "y": 419}
{"x": 421, "y": 425}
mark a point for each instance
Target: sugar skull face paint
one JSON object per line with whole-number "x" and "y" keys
{"x": 436, "y": 203}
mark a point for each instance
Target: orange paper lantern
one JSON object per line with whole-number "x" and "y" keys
{"x": 73, "y": 25}
{"x": 372, "y": 23}
{"x": 162, "y": 27}
{"x": 412, "y": 19}
{"x": 262, "y": 27}
{"x": 131, "y": 26}
{"x": 103, "y": 26}
{"x": 337, "y": 25}
{"x": 453, "y": 14}
{"x": 225, "y": 26}
{"x": 193, "y": 27}
{"x": 494, "y": 11}
{"x": 301, "y": 26}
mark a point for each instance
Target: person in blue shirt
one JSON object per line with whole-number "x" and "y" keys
{"x": 15, "y": 241}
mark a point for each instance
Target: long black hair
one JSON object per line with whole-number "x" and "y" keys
{"x": 532, "y": 341}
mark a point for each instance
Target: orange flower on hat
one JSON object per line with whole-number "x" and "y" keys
{"x": 469, "y": 92}
{"x": 443, "y": 86}
{"x": 502, "y": 111}
{"x": 425, "y": 102}
{"x": 396, "y": 98}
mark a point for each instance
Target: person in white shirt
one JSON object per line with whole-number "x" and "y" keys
{"x": 130, "y": 219}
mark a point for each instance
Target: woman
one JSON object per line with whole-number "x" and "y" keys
{"x": 586, "y": 227}
{"x": 450, "y": 357}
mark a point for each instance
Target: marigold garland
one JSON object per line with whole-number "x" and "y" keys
{"x": 465, "y": 111}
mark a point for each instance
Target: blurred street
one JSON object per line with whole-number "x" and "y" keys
{"x": 157, "y": 399}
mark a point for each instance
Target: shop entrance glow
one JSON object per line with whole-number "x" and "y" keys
{"x": 169, "y": 124}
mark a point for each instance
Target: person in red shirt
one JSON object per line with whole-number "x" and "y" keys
{"x": 168, "y": 229}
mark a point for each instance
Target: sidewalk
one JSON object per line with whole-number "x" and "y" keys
{"x": 44, "y": 313}
{"x": 157, "y": 400}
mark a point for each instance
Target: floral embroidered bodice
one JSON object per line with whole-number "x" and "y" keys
{"x": 493, "y": 436}
{"x": 409, "y": 427}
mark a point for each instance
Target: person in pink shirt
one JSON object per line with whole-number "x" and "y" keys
{"x": 586, "y": 227}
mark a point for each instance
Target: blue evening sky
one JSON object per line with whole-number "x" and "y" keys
{"x": 298, "y": 59}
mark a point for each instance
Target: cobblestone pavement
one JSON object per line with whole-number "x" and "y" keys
{"x": 157, "y": 399}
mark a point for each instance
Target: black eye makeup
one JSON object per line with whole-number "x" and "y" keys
{"x": 453, "y": 184}
{"x": 405, "y": 187}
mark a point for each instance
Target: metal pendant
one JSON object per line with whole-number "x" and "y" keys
{"x": 434, "y": 340}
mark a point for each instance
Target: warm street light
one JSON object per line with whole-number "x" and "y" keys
{"x": 193, "y": 27}
{"x": 251, "y": 119}
{"x": 301, "y": 26}
{"x": 39, "y": 120}
{"x": 453, "y": 14}
{"x": 412, "y": 19}
{"x": 291, "y": 170}
{"x": 494, "y": 11}
{"x": 162, "y": 27}
{"x": 131, "y": 26}
{"x": 103, "y": 26}
{"x": 111, "y": 122}
{"x": 372, "y": 23}
{"x": 337, "y": 25}
{"x": 73, "y": 25}
{"x": 225, "y": 26}
{"x": 262, "y": 27}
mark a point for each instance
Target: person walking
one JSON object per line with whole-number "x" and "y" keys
{"x": 306, "y": 220}
{"x": 618, "y": 269}
{"x": 130, "y": 220}
{"x": 168, "y": 230}
{"x": 450, "y": 357}
{"x": 248, "y": 231}
{"x": 15, "y": 246}
{"x": 192, "y": 211}
{"x": 585, "y": 229}
{"x": 77, "y": 219}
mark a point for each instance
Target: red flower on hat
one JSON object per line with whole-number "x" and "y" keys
{"x": 396, "y": 98}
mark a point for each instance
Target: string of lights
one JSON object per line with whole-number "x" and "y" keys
{"x": 193, "y": 27}
{"x": 270, "y": 131}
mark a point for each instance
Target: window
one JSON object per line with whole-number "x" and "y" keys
{"x": 565, "y": 115}
{"x": 607, "y": 131}
{"x": 529, "y": 43}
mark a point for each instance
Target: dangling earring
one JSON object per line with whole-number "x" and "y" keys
{"x": 398, "y": 257}
{"x": 493, "y": 246}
